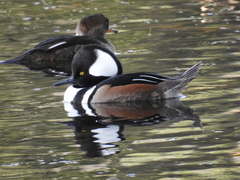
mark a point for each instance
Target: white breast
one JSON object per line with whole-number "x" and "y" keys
{"x": 70, "y": 93}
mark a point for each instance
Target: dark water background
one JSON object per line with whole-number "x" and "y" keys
{"x": 158, "y": 36}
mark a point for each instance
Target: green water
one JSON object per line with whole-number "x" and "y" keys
{"x": 157, "y": 36}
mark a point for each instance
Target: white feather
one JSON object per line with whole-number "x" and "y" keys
{"x": 105, "y": 65}
{"x": 145, "y": 80}
{"x": 70, "y": 93}
{"x": 55, "y": 45}
{"x": 87, "y": 95}
{"x": 149, "y": 76}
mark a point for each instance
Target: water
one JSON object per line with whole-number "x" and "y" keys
{"x": 40, "y": 141}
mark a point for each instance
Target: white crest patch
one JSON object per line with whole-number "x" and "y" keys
{"x": 105, "y": 65}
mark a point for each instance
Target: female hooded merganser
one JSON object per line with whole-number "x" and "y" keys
{"x": 52, "y": 53}
{"x": 97, "y": 78}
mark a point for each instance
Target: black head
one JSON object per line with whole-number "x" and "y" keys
{"x": 93, "y": 64}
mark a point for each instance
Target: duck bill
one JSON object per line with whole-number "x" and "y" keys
{"x": 112, "y": 31}
{"x": 67, "y": 81}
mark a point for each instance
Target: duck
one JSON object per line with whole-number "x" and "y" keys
{"x": 55, "y": 55}
{"x": 97, "y": 78}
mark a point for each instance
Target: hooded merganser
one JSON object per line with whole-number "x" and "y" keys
{"x": 97, "y": 78}
{"x": 52, "y": 53}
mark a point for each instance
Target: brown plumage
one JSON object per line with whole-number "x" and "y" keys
{"x": 126, "y": 93}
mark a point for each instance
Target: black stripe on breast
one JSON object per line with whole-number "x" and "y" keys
{"x": 79, "y": 96}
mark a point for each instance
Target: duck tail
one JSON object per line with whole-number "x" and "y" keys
{"x": 191, "y": 73}
{"x": 177, "y": 83}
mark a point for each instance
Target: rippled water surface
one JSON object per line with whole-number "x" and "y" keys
{"x": 40, "y": 140}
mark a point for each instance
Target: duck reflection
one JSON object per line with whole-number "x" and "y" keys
{"x": 94, "y": 137}
{"x": 98, "y": 126}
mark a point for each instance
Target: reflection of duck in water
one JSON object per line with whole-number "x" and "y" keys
{"x": 134, "y": 112}
{"x": 97, "y": 78}
{"x": 52, "y": 53}
{"x": 98, "y": 127}
{"x": 95, "y": 138}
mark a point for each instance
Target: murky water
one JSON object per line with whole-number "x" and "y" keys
{"x": 144, "y": 141}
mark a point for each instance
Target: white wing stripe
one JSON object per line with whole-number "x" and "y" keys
{"x": 145, "y": 80}
{"x": 153, "y": 77}
{"x": 55, "y": 45}
{"x": 148, "y": 76}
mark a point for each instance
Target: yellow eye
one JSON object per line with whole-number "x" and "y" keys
{"x": 81, "y": 73}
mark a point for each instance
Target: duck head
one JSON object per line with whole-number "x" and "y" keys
{"x": 96, "y": 25}
{"x": 91, "y": 65}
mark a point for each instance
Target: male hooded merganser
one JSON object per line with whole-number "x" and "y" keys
{"x": 52, "y": 53}
{"x": 97, "y": 78}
